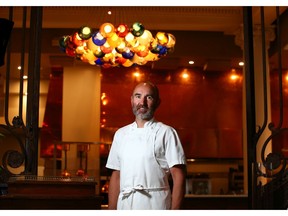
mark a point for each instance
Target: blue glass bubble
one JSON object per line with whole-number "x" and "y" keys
{"x": 163, "y": 50}
{"x": 98, "y": 39}
{"x": 128, "y": 55}
{"x": 99, "y": 62}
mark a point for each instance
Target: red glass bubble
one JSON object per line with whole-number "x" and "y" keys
{"x": 122, "y": 30}
{"x": 77, "y": 40}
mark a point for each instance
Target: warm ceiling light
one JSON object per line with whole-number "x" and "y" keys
{"x": 136, "y": 74}
{"x": 19, "y": 67}
{"x": 191, "y": 62}
{"x": 185, "y": 75}
{"x": 234, "y": 75}
{"x": 241, "y": 63}
{"x": 25, "y": 77}
{"x": 117, "y": 46}
{"x": 109, "y": 12}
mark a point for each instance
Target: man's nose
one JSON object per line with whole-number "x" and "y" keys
{"x": 143, "y": 101}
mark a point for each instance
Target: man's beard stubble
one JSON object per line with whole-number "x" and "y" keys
{"x": 144, "y": 116}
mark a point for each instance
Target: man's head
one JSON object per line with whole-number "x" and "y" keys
{"x": 145, "y": 100}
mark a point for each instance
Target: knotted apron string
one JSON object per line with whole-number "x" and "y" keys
{"x": 128, "y": 191}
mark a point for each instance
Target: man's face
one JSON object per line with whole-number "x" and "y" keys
{"x": 144, "y": 102}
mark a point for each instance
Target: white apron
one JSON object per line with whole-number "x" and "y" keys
{"x": 144, "y": 185}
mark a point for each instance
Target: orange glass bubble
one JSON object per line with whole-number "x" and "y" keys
{"x": 128, "y": 63}
{"x": 162, "y": 38}
{"x": 171, "y": 41}
{"x": 91, "y": 45}
{"x": 139, "y": 60}
{"x": 151, "y": 57}
{"x": 107, "y": 29}
{"x": 114, "y": 40}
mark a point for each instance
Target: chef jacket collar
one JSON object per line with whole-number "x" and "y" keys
{"x": 147, "y": 124}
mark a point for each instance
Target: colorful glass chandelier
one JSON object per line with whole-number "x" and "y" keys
{"x": 117, "y": 46}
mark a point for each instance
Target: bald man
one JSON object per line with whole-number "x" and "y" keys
{"x": 143, "y": 155}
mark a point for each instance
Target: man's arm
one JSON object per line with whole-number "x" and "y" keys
{"x": 178, "y": 174}
{"x": 114, "y": 189}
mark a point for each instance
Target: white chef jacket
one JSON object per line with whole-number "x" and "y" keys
{"x": 143, "y": 156}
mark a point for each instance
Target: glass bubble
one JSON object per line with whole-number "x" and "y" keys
{"x": 122, "y": 30}
{"x": 106, "y": 65}
{"x": 98, "y": 39}
{"x": 156, "y": 49}
{"x": 137, "y": 29}
{"x": 142, "y": 51}
{"x": 114, "y": 40}
{"x": 77, "y": 40}
{"x": 80, "y": 50}
{"x": 162, "y": 38}
{"x": 107, "y": 29}
{"x": 63, "y": 42}
{"x": 145, "y": 38}
{"x": 108, "y": 57}
{"x": 152, "y": 57}
{"x": 128, "y": 63}
{"x": 70, "y": 52}
{"x": 83, "y": 58}
{"x": 99, "y": 62}
{"x": 171, "y": 41}
{"x": 106, "y": 48}
{"x": 89, "y": 56}
{"x": 92, "y": 63}
{"x": 85, "y": 32}
{"x": 128, "y": 54}
{"x": 130, "y": 39}
{"x": 98, "y": 53}
{"x": 121, "y": 48}
{"x": 120, "y": 60}
{"x": 139, "y": 60}
{"x": 163, "y": 50}
{"x": 91, "y": 45}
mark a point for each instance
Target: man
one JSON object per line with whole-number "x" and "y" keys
{"x": 143, "y": 155}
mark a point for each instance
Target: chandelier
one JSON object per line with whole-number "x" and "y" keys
{"x": 117, "y": 46}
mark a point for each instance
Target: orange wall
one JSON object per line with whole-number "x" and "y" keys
{"x": 206, "y": 103}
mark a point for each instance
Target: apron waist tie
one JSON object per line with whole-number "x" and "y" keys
{"x": 128, "y": 191}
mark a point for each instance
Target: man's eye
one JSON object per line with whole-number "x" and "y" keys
{"x": 150, "y": 98}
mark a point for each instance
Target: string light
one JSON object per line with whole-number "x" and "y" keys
{"x": 117, "y": 46}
